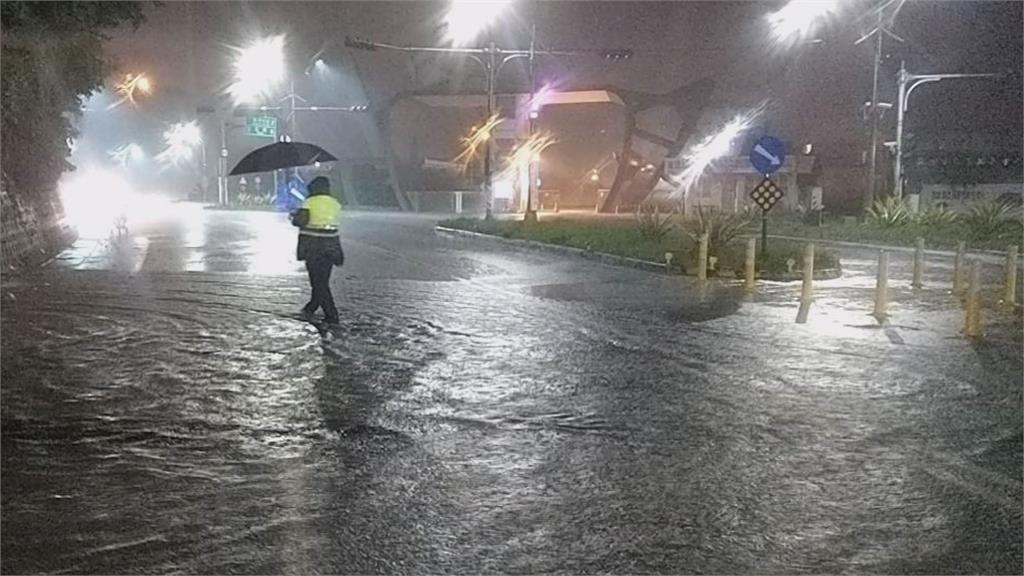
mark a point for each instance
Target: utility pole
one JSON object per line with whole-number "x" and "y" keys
{"x": 872, "y": 171}
{"x": 907, "y": 82}
{"x": 491, "y": 58}
{"x": 879, "y": 29}
{"x": 531, "y": 214}
{"x": 222, "y": 163}
{"x": 492, "y": 73}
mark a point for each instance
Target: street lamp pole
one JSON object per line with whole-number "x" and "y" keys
{"x": 530, "y": 214}
{"x": 491, "y": 77}
{"x": 204, "y": 173}
{"x": 907, "y": 82}
{"x": 222, "y": 164}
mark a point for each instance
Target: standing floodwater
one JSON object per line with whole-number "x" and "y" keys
{"x": 485, "y": 409}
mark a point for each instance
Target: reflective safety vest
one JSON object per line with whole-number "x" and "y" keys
{"x": 324, "y": 211}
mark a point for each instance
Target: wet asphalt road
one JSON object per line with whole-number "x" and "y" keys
{"x": 490, "y": 409}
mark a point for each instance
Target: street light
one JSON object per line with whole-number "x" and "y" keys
{"x": 259, "y": 68}
{"x": 465, "y": 19}
{"x": 718, "y": 145}
{"x": 126, "y": 153}
{"x": 181, "y": 139}
{"x": 797, "y": 18}
{"x": 128, "y": 88}
{"x": 907, "y": 83}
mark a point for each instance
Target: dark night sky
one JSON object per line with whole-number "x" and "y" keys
{"x": 818, "y": 89}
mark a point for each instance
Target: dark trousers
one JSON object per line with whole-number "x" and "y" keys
{"x": 319, "y": 269}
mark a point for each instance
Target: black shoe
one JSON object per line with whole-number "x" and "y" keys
{"x": 333, "y": 320}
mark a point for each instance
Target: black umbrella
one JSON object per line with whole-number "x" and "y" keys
{"x": 281, "y": 155}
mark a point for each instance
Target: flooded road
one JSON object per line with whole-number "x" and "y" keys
{"x": 488, "y": 409}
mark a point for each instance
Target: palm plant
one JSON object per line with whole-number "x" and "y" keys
{"x": 889, "y": 212}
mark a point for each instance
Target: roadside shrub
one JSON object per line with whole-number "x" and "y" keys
{"x": 253, "y": 199}
{"x": 652, "y": 223}
{"x": 809, "y": 216}
{"x": 721, "y": 227}
{"x": 775, "y": 262}
{"x": 990, "y": 220}
{"x": 934, "y": 216}
{"x": 889, "y": 212}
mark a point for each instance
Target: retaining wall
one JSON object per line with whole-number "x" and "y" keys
{"x": 27, "y": 236}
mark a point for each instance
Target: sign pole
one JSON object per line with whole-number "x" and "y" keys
{"x": 764, "y": 235}
{"x": 766, "y": 156}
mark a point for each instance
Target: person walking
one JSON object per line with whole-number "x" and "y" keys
{"x": 319, "y": 245}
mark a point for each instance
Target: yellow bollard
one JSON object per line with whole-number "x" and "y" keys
{"x": 1010, "y": 287}
{"x": 882, "y": 286}
{"x": 749, "y": 267}
{"x": 918, "y": 265}
{"x": 702, "y": 259}
{"x": 972, "y": 316}
{"x": 807, "y": 292}
{"x": 958, "y": 264}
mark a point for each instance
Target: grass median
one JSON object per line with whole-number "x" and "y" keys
{"x": 621, "y": 238}
{"x": 936, "y": 235}
{"x": 624, "y": 238}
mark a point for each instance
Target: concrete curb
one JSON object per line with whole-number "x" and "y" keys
{"x": 823, "y": 274}
{"x": 989, "y": 255}
{"x": 602, "y": 257}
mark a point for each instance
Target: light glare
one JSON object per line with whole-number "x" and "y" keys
{"x": 126, "y": 90}
{"x": 181, "y": 140}
{"x": 700, "y": 157}
{"x": 796, "y": 19}
{"x": 95, "y": 199}
{"x": 259, "y": 68}
{"x": 130, "y": 152}
{"x": 467, "y": 18}
{"x": 478, "y": 136}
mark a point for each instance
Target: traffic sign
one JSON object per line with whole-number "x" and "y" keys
{"x": 262, "y": 126}
{"x": 767, "y": 155}
{"x": 766, "y": 194}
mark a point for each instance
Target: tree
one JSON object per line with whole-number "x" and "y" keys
{"x": 53, "y": 59}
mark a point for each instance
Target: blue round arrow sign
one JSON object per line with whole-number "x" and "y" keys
{"x": 767, "y": 155}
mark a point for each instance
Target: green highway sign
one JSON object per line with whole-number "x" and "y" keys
{"x": 262, "y": 126}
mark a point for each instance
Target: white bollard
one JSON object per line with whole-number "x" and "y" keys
{"x": 972, "y": 314}
{"x": 702, "y": 259}
{"x": 958, "y": 264}
{"x": 918, "y": 265}
{"x": 749, "y": 267}
{"x": 807, "y": 292}
{"x": 882, "y": 286}
{"x": 1010, "y": 285}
